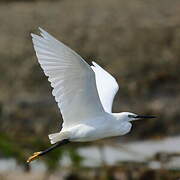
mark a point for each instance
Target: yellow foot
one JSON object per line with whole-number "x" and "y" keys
{"x": 33, "y": 157}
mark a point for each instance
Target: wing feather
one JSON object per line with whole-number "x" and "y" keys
{"x": 106, "y": 85}
{"x": 72, "y": 79}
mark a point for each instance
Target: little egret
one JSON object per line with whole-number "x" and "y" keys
{"x": 84, "y": 95}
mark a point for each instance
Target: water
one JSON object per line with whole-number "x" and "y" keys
{"x": 140, "y": 151}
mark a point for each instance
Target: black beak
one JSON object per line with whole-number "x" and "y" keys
{"x": 139, "y": 116}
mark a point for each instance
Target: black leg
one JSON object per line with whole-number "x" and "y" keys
{"x": 63, "y": 142}
{"x": 37, "y": 154}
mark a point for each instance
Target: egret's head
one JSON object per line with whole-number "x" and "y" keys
{"x": 128, "y": 116}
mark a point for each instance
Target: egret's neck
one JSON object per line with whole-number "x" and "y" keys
{"x": 120, "y": 116}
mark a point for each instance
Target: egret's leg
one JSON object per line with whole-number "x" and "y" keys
{"x": 40, "y": 153}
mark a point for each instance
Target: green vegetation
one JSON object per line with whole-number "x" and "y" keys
{"x": 10, "y": 149}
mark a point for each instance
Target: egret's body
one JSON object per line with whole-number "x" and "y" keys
{"x": 107, "y": 125}
{"x": 84, "y": 95}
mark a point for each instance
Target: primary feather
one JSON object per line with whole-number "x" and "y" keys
{"x": 72, "y": 79}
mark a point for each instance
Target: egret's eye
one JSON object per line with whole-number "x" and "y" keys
{"x": 131, "y": 116}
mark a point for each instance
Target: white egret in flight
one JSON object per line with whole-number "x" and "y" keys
{"x": 84, "y": 95}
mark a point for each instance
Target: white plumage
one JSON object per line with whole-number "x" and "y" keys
{"x": 84, "y": 93}
{"x": 106, "y": 85}
{"x": 71, "y": 77}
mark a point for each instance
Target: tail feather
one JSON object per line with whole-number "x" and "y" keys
{"x": 51, "y": 136}
{"x": 56, "y": 137}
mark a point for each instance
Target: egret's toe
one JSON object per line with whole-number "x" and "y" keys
{"x": 34, "y": 156}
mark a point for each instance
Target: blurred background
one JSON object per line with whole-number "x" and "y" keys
{"x": 137, "y": 41}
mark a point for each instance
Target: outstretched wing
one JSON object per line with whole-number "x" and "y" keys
{"x": 106, "y": 85}
{"x": 72, "y": 79}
